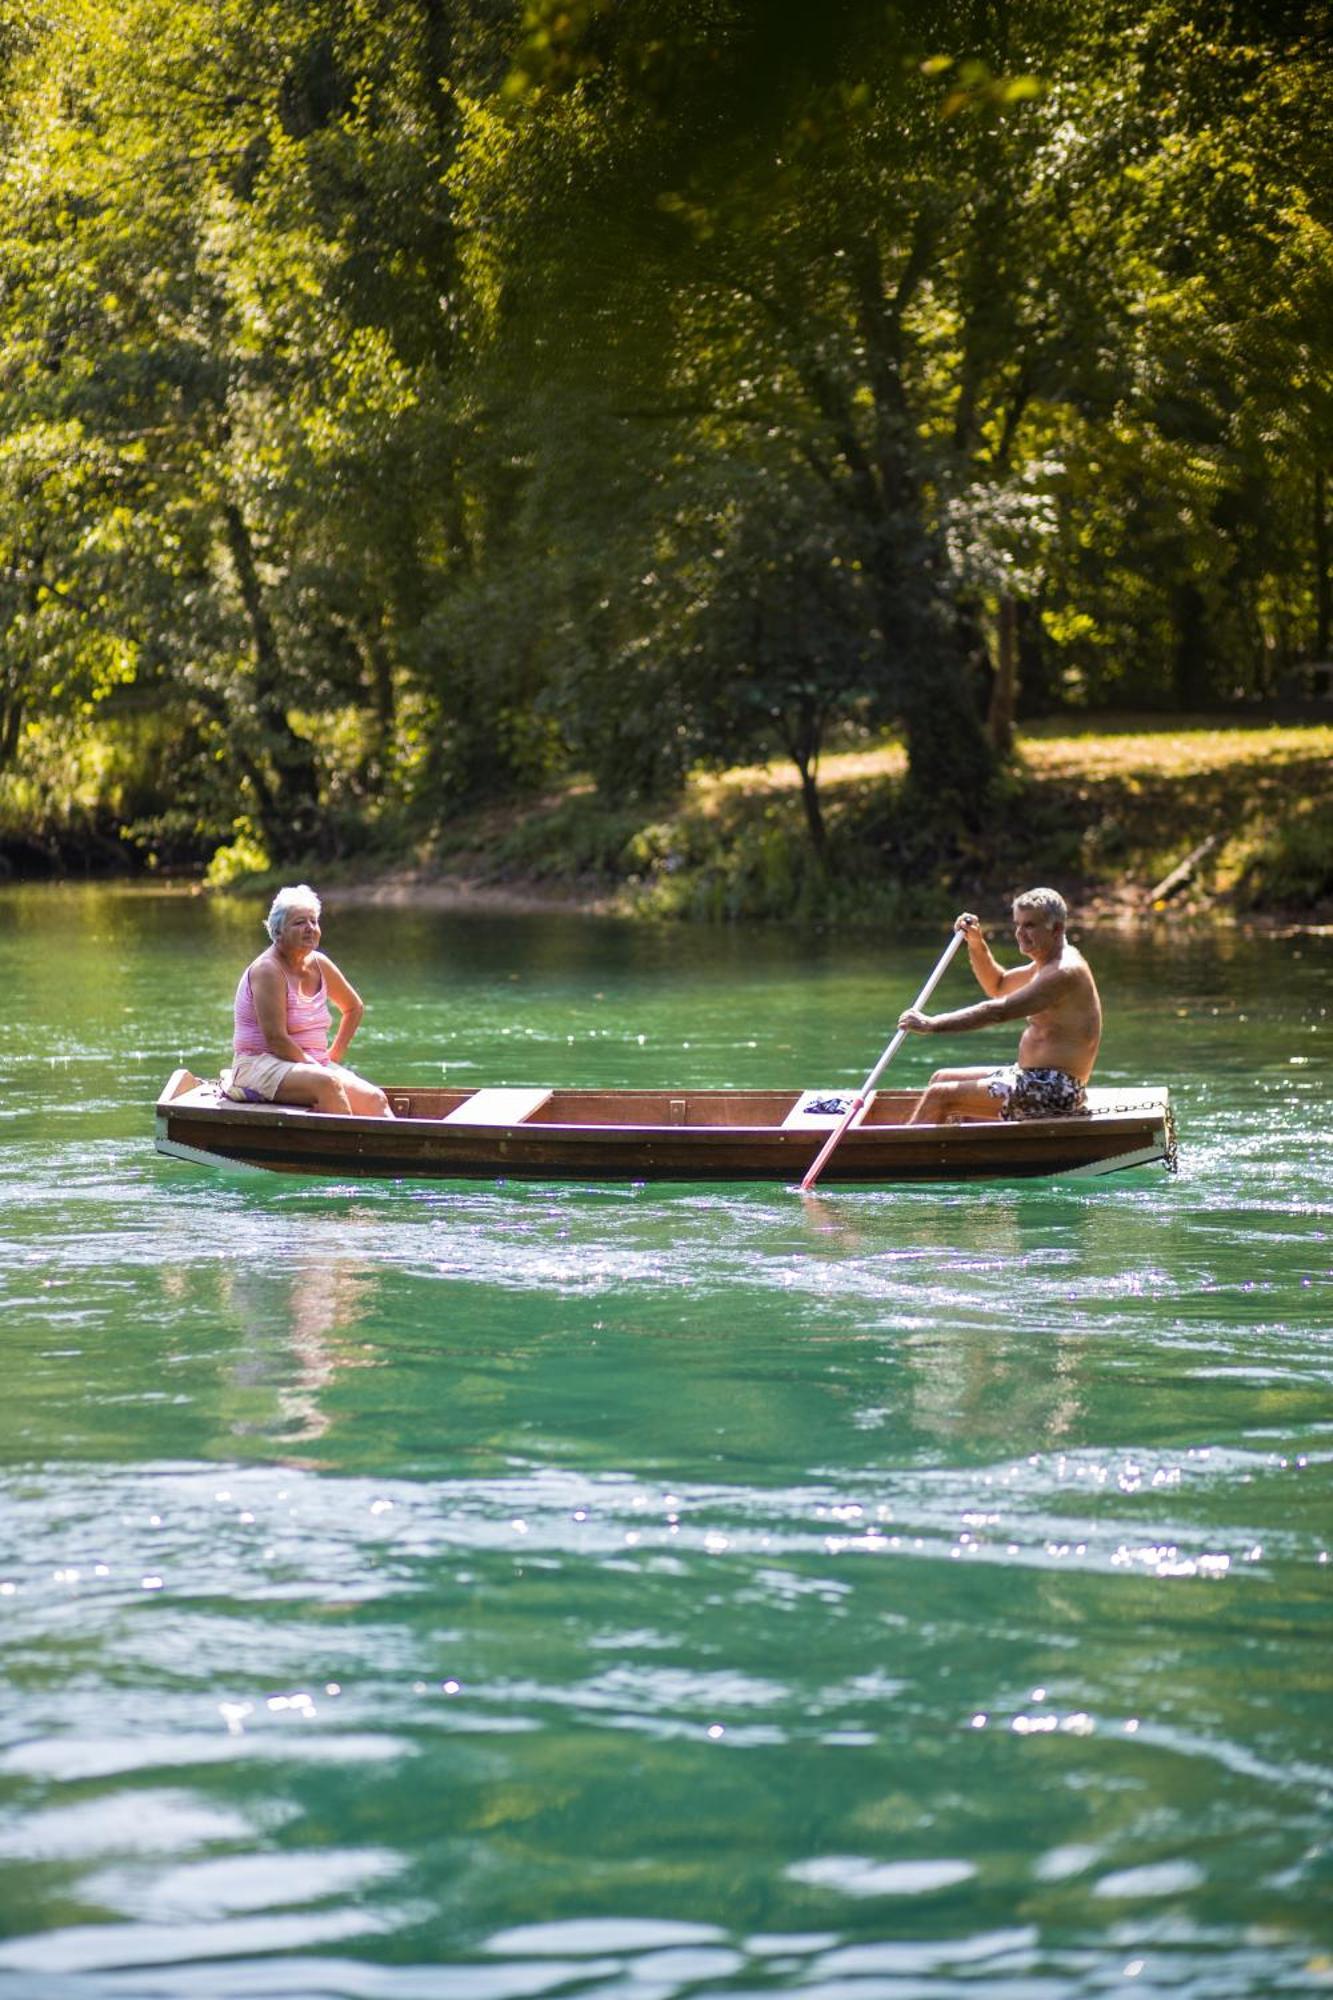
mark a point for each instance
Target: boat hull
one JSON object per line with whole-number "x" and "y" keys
{"x": 625, "y": 1136}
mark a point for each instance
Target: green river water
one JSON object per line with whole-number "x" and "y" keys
{"x": 425, "y": 1592}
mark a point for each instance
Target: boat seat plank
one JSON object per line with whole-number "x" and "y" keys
{"x": 499, "y": 1105}
{"x": 804, "y": 1116}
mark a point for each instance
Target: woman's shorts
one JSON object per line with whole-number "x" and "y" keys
{"x": 258, "y": 1079}
{"x": 1037, "y": 1093}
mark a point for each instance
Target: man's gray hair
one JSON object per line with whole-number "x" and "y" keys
{"x": 299, "y": 897}
{"x": 1048, "y": 903}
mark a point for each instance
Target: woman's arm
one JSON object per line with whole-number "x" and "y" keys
{"x": 349, "y": 1003}
{"x": 268, "y": 990}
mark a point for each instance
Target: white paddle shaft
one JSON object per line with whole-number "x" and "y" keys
{"x": 858, "y": 1102}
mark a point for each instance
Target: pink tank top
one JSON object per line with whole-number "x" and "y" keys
{"x": 307, "y": 1021}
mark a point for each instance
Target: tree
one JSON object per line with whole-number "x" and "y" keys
{"x": 225, "y": 415}
{"x": 403, "y": 404}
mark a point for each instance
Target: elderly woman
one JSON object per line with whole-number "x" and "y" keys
{"x": 281, "y": 1046}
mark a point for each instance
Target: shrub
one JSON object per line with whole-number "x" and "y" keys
{"x": 241, "y": 858}
{"x": 1293, "y": 868}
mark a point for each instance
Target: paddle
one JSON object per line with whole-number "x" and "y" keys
{"x": 858, "y": 1102}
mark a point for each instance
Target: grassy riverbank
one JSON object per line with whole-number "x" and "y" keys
{"x": 1108, "y": 813}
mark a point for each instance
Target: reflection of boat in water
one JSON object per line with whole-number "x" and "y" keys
{"x": 665, "y": 1135}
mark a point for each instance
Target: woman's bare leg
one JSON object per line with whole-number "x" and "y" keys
{"x": 313, "y": 1088}
{"x": 367, "y": 1100}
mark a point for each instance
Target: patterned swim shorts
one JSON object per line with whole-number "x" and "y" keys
{"x": 1037, "y": 1093}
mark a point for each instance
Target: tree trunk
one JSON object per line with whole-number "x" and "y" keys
{"x": 11, "y": 722}
{"x": 438, "y": 51}
{"x": 802, "y": 733}
{"x": 289, "y": 824}
{"x": 383, "y": 706}
{"x": 814, "y": 811}
{"x": 1190, "y": 662}
{"x": 1036, "y": 693}
{"x": 1323, "y": 579}
{"x": 1004, "y": 691}
{"x": 950, "y": 763}
{"x": 440, "y": 244}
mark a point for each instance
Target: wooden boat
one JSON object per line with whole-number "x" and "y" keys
{"x": 665, "y": 1135}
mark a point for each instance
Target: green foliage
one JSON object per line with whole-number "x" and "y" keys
{"x": 414, "y": 406}
{"x": 577, "y": 840}
{"x": 240, "y": 860}
{"x": 755, "y": 861}
{"x": 1293, "y": 867}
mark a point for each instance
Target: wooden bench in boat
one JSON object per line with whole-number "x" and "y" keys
{"x": 498, "y": 1105}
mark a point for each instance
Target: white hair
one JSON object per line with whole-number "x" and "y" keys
{"x": 299, "y": 897}
{"x": 1048, "y": 903}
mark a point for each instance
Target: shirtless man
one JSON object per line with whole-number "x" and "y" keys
{"x": 1058, "y": 995}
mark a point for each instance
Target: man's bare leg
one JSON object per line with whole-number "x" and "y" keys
{"x": 968, "y": 1075}
{"x": 954, "y": 1101}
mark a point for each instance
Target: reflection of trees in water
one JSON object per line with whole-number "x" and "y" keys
{"x": 294, "y": 1316}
